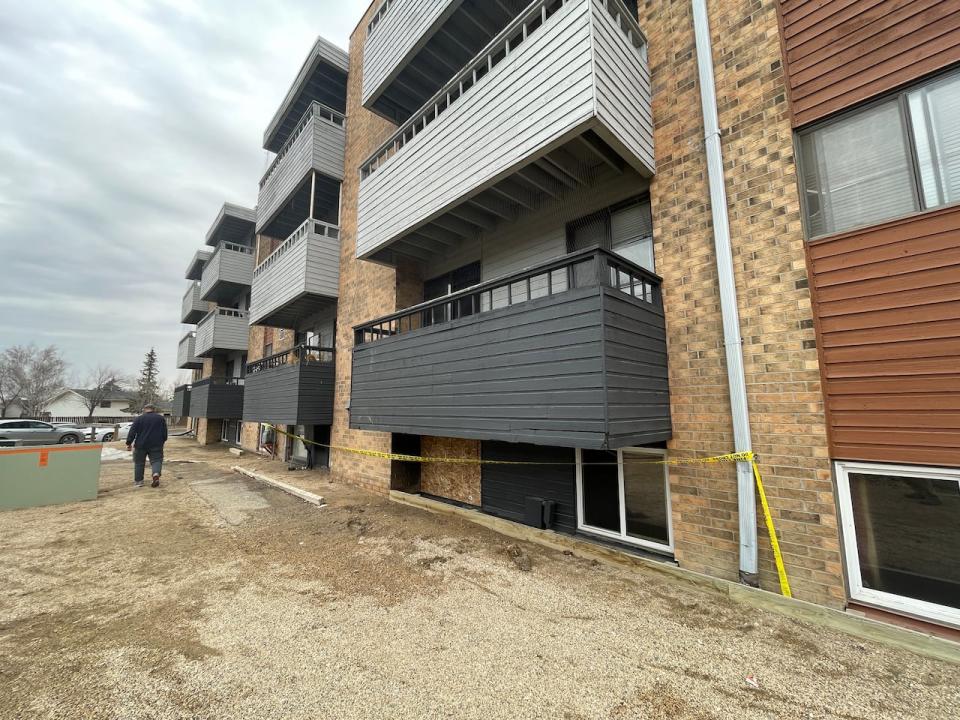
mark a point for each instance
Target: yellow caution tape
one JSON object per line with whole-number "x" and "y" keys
{"x": 729, "y": 457}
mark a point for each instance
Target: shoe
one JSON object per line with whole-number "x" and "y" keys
{"x": 156, "y": 481}
{"x": 138, "y": 485}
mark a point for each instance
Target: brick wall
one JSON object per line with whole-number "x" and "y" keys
{"x": 366, "y": 289}
{"x": 783, "y": 380}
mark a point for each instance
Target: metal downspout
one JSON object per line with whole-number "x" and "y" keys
{"x": 733, "y": 343}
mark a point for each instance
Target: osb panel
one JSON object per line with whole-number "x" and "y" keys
{"x": 454, "y": 482}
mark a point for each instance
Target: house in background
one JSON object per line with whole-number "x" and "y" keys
{"x": 71, "y": 404}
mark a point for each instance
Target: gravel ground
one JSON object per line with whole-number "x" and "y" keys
{"x": 218, "y": 597}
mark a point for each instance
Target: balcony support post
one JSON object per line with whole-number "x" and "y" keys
{"x": 313, "y": 190}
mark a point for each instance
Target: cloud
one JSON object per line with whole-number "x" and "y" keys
{"x": 124, "y": 125}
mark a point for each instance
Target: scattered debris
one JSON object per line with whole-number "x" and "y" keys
{"x": 520, "y": 558}
{"x": 752, "y": 681}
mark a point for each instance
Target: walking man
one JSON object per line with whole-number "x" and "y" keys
{"x": 146, "y": 437}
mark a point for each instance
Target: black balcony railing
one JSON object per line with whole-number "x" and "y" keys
{"x": 593, "y": 267}
{"x": 236, "y": 381}
{"x": 299, "y": 355}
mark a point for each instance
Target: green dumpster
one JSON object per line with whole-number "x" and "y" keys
{"x": 48, "y": 474}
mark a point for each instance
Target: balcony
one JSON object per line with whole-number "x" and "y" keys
{"x": 193, "y": 308}
{"x": 291, "y": 388}
{"x": 233, "y": 224}
{"x": 195, "y": 268}
{"x": 181, "y": 402}
{"x": 570, "y": 353}
{"x": 227, "y": 274}
{"x": 217, "y": 398}
{"x": 299, "y": 278}
{"x": 557, "y": 101}
{"x": 222, "y": 330}
{"x": 316, "y": 143}
{"x": 412, "y": 48}
{"x": 186, "y": 353}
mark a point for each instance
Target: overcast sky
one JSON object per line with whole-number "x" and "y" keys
{"x": 124, "y": 125}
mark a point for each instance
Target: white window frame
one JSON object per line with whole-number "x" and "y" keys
{"x": 623, "y": 536}
{"x": 897, "y": 603}
{"x": 239, "y": 438}
{"x": 224, "y": 431}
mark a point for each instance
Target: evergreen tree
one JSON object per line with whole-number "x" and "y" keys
{"x": 148, "y": 384}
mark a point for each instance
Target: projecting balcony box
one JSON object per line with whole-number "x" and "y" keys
{"x": 291, "y": 388}
{"x": 181, "y": 402}
{"x": 193, "y": 308}
{"x": 222, "y": 330}
{"x": 560, "y": 95}
{"x": 228, "y": 273}
{"x": 299, "y": 278}
{"x": 217, "y": 398}
{"x": 195, "y": 268}
{"x": 570, "y": 353}
{"x": 186, "y": 353}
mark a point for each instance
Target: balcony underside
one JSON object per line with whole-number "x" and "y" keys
{"x": 290, "y": 395}
{"x": 292, "y": 313}
{"x": 224, "y": 292}
{"x": 216, "y": 401}
{"x": 194, "y": 315}
{"x": 233, "y": 224}
{"x": 414, "y": 51}
{"x": 550, "y": 107}
{"x": 580, "y": 162}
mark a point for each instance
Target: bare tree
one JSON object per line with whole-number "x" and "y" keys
{"x": 45, "y": 369}
{"x": 13, "y": 378}
{"x": 100, "y": 382}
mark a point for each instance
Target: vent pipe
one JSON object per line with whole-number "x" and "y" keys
{"x": 732, "y": 341}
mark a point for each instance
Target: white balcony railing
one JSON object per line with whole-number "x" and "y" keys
{"x": 557, "y": 71}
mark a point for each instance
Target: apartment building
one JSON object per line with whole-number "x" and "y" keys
{"x": 217, "y": 301}
{"x": 494, "y": 230}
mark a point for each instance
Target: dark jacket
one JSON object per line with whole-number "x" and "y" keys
{"x": 148, "y": 431}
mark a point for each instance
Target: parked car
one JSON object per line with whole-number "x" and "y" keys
{"x": 36, "y": 432}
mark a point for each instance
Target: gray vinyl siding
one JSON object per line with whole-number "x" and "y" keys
{"x": 186, "y": 353}
{"x": 181, "y": 402}
{"x": 216, "y": 401}
{"x": 320, "y": 146}
{"x": 193, "y": 308}
{"x": 308, "y": 266}
{"x": 221, "y": 330}
{"x": 505, "y": 488}
{"x": 623, "y": 92}
{"x": 533, "y": 372}
{"x": 226, "y": 266}
{"x": 579, "y": 72}
{"x": 512, "y": 115}
{"x": 290, "y": 395}
{"x": 399, "y": 35}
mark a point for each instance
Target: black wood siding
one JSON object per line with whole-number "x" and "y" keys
{"x": 587, "y": 368}
{"x": 181, "y": 402}
{"x": 505, "y": 488}
{"x": 217, "y": 402}
{"x": 291, "y": 395}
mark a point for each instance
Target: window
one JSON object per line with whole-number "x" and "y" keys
{"x": 901, "y": 529}
{"x": 626, "y": 229}
{"x": 889, "y": 159}
{"x": 625, "y": 495}
{"x": 447, "y": 284}
{"x": 104, "y": 403}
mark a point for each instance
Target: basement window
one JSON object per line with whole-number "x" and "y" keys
{"x": 901, "y": 531}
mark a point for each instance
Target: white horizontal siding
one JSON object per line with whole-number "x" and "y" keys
{"x": 186, "y": 352}
{"x": 311, "y": 265}
{"x": 192, "y": 302}
{"x": 399, "y": 35}
{"x": 623, "y": 91}
{"x": 319, "y": 147}
{"x": 538, "y": 94}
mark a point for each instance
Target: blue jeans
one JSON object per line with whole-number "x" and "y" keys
{"x": 140, "y": 456}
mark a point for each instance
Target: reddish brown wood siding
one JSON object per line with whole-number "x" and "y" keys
{"x": 887, "y": 306}
{"x": 841, "y": 52}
